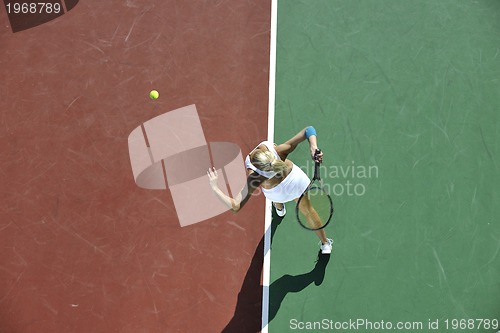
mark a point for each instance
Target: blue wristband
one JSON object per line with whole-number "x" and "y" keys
{"x": 310, "y": 131}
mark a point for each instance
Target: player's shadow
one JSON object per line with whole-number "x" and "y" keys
{"x": 248, "y": 313}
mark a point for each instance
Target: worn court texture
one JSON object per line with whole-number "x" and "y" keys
{"x": 408, "y": 87}
{"x": 413, "y": 88}
{"x": 83, "y": 249}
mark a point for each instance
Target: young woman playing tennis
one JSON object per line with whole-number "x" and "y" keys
{"x": 280, "y": 179}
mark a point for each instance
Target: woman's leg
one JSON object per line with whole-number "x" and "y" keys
{"x": 312, "y": 217}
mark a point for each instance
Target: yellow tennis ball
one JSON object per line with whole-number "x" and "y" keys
{"x": 154, "y": 94}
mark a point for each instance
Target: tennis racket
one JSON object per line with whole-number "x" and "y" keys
{"x": 314, "y": 208}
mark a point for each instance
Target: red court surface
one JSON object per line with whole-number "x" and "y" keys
{"x": 83, "y": 249}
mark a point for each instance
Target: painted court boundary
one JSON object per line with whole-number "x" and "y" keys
{"x": 266, "y": 269}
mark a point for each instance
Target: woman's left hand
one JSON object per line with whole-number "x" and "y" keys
{"x": 213, "y": 177}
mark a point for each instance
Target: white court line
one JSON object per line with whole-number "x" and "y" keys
{"x": 266, "y": 269}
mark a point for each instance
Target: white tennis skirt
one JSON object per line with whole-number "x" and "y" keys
{"x": 290, "y": 188}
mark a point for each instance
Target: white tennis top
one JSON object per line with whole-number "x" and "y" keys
{"x": 290, "y": 188}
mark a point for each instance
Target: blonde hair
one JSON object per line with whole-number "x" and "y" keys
{"x": 266, "y": 161}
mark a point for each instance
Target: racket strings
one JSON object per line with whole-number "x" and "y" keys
{"x": 315, "y": 208}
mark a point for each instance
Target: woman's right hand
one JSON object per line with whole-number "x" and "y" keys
{"x": 317, "y": 157}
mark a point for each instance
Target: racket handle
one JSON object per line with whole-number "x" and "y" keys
{"x": 317, "y": 164}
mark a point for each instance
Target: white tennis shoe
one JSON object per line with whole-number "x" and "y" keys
{"x": 281, "y": 212}
{"x": 327, "y": 248}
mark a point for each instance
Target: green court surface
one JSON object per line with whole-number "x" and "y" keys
{"x": 405, "y": 97}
